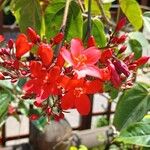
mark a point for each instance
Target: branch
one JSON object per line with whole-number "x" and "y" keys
{"x": 81, "y": 5}
{"x": 100, "y": 5}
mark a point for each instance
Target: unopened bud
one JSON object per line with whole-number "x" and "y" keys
{"x": 33, "y": 117}
{"x": 91, "y": 41}
{"x": 58, "y": 38}
{"x": 120, "y": 24}
{"x": 122, "y": 49}
{"x": 32, "y": 35}
{"x": 2, "y": 77}
{"x": 10, "y": 43}
{"x": 122, "y": 39}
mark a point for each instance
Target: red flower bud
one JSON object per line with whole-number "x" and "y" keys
{"x": 2, "y": 38}
{"x": 10, "y": 43}
{"x": 106, "y": 54}
{"x": 1, "y": 76}
{"x": 32, "y": 35}
{"x": 48, "y": 111}
{"x": 121, "y": 67}
{"x": 58, "y": 38}
{"x": 34, "y": 117}
{"x": 141, "y": 61}
{"x": 132, "y": 66}
{"x": 122, "y": 39}
{"x": 37, "y": 104}
{"x": 114, "y": 40}
{"x": 60, "y": 60}
{"x": 120, "y": 24}
{"x": 122, "y": 49}
{"x": 11, "y": 110}
{"x": 115, "y": 78}
{"x": 91, "y": 41}
{"x": 46, "y": 53}
{"x": 24, "y": 72}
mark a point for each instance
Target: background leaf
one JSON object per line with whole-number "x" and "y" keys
{"x": 53, "y": 17}
{"x": 132, "y": 106}
{"x": 27, "y": 13}
{"x": 74, "y": 22}
{"x": 137, "y": 134}
{"x": 133, "y": 12}
{"x": 136, "y": 47}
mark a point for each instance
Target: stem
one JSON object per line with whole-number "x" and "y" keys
{"x": 81, "y": 5}
{"x": 89, "y": 19}
{"x": 118, "y": 14}
{"x": 100, "y": 5}
{"x": 63, "y": 26}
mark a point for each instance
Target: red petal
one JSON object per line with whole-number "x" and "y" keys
{"x": 46, "y": 53}
{"x": 83, "y": 104}
{"x": 66, "y": 55}
{"x": 90, "y": 70}
{"x": 91, "y": 41}
{"x": 94, "y": 86}
{"x": 36, "y": 70}
{"x": 22, "y": 45}
{"x": 105, "y": 74}
{"x": 60, "y": 61}
{"x": 68, "y": 100}
{"x": 76, "y": 47}
{"x": 1, "y": 38}
{"x": 92, "y": 54}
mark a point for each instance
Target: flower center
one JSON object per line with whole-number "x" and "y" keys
{"x": 78, "y": 91}
{"x": 81, "y": 59}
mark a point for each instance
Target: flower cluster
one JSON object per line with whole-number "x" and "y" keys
{"x": 64, "y": 81}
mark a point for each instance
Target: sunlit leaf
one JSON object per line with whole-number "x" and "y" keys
{"x": 133, "y": 12}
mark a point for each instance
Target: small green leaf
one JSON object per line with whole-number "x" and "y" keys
{"x": 136, "y": 134}
{"x": 132, "y": 106}
{"x": 133, "y": 12}
{"x": 27, "y": 13}
{"x": 113, "y": 93}
{"x": 74, "y": 22}
{"x": 53, "y": 17}
{"x": 136, "y": 47}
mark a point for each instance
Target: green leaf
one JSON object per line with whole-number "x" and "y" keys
{"x": 53, "y": 17}
{"x": 142, "y": 40}
{"x": 27, "y": 13}
{"x": 95, "y": 9}
{"x": 5, "y": 98}
{"x": 137, "y": 134}
{"x": 136, "y": 47}
{"x": 132, "y": 106}
{"x": 113, "y": 93}
{"x": 133, "y": 12}
{"x": 74, "y": 22}
{"x": 97, "y": 31}
{"x": 146, "y": 29}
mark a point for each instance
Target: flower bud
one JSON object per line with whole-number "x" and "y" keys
{"x": 121, "y": 67}
{"x": 141, "y": 61}
{"x": 37, "y": 104}
{"x": 33, "y": 117}
{"x": 106, "y": 54}
{"x": 120, "y": 24}
{"x": 10, "y": 43}
{"x": 122, "y": 39}
{"x": 122, "y": 49}
{"x": 91, "y": 41}
{"x": 2, "y": 38}
{"x": 58, "y": 38}
{"x": 32, "y": 35}
{"x": 2, "y": 77}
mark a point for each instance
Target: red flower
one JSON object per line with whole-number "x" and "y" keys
{"x": 43, "y": 82}
{"x": 22, "y": 45}
{"x": 76, "y": 96}
{"x": 46, "y": 53}
{"x": 82, "y": 60}
{"x": 106, "y": 54}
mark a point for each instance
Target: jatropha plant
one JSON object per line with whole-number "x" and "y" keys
{"x": 57, "y": 82}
